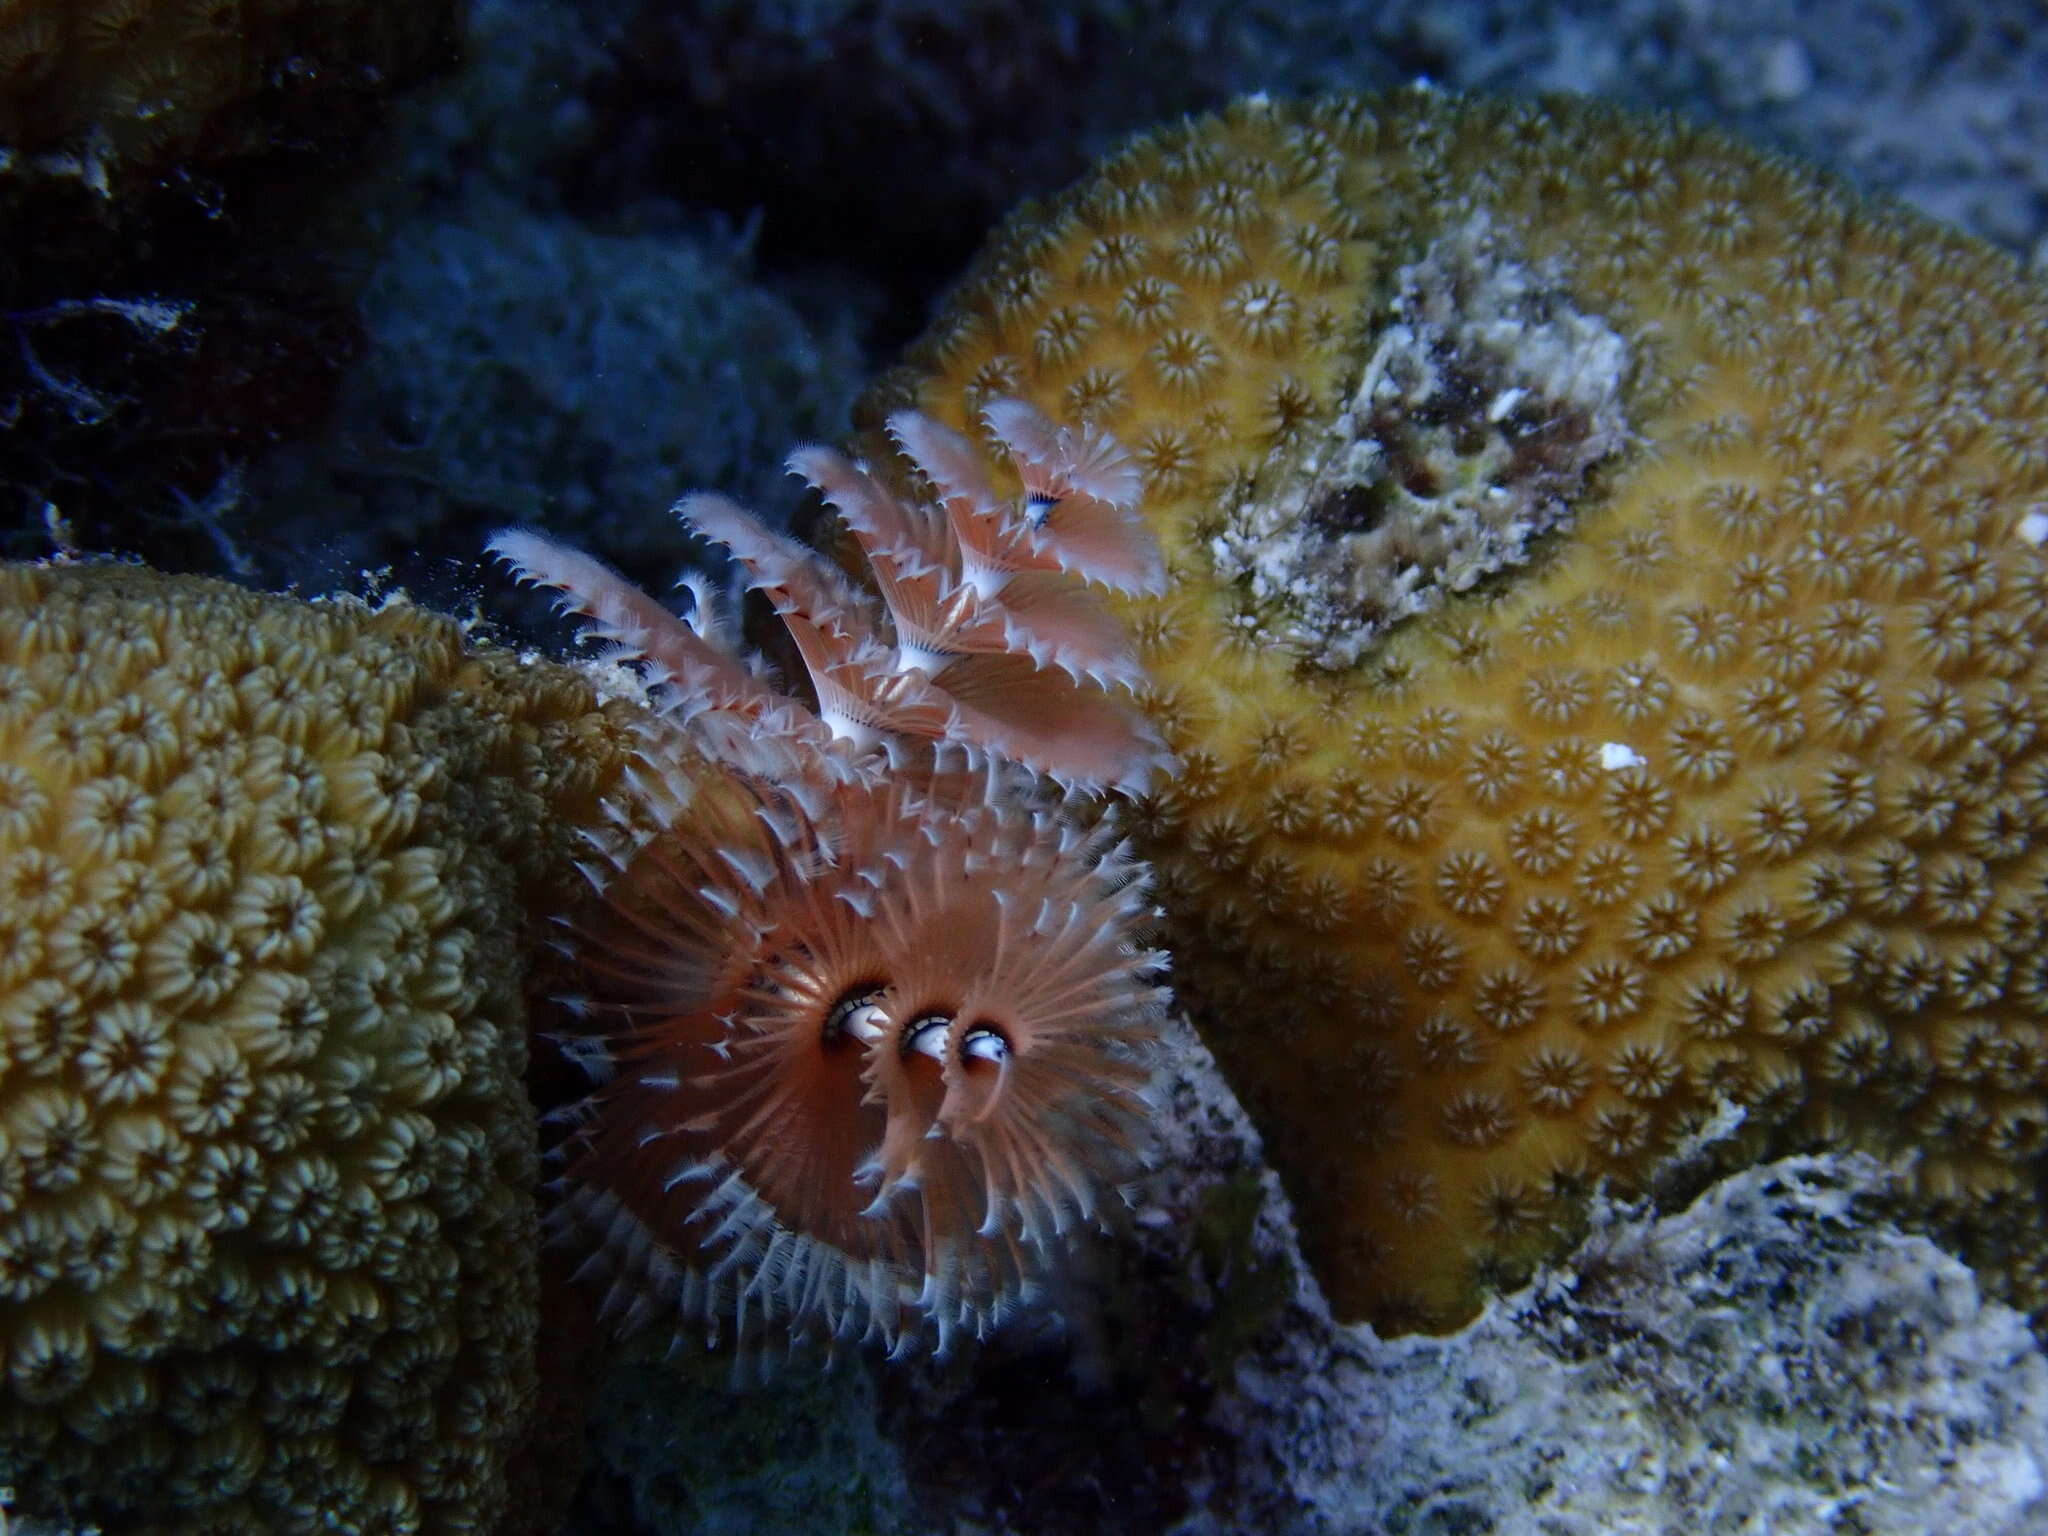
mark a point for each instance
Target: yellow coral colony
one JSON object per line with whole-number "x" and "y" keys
{"x": 1605, "y": 647}
{"x": 267, "y": 1245}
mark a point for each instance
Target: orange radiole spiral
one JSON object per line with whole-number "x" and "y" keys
{"x": 868, "y": 1008}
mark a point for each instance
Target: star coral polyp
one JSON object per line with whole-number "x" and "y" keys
{"x": 867, "y": 1008}
{"x": 1603, "y": 639}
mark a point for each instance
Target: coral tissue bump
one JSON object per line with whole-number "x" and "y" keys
{"x": 867, "y": 1008}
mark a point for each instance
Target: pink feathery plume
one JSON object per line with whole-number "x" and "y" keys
{"x": 792, "y": 576}
{"x": 1057, "y": 462}
{"x": 914, "y": 561}
{"x": 1083, "y": 737}
{"x": 1081, "y": 493}
{"x": 939, "y": 616}
{"x": 994, "y": 540}
{"x": 1057, "y": 622}
{"x": 863, "y": 690}
{"x": 641, "y": 629}
{"x": 1079, "y": 511}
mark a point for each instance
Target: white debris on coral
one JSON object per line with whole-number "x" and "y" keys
{"x": 1616, "y": 755}
{"x": 1776, "y": 1358}
{"x": 1486, "y": 398}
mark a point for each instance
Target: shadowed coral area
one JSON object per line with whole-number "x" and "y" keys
{"x": 175, "y": 182}
{"x": 1603, "y": 644}
{"x": 107, "y": 89}
{"x": 267, "y": 1235}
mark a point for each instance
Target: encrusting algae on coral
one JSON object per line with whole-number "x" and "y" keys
{"x": 267, "y": 1220}
{"x": 867, "y": 1009}
{"x": 1604, "y": 644}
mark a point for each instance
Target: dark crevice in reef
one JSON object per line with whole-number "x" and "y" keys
{"x": 1126, "y": 1452}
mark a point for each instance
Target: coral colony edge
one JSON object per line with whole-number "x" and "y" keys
{"x": 268, "y": 1254}
{"x": 867, "y": 1010}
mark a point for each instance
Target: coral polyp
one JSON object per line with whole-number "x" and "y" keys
{"x": 864, "y": 996}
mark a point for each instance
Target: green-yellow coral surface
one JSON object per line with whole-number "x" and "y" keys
{"x": 267, "y": 1239}
{"x": 1605, "y": 646}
